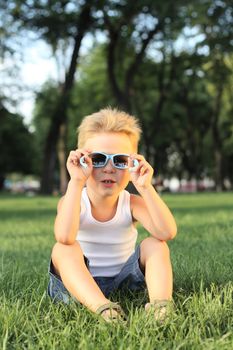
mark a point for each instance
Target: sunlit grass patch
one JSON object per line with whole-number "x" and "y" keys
{"x": 202, "y": 258}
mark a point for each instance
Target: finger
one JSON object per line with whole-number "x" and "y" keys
{"x": 142, "y": 164}
{"x": 139, "y": 157}
{"x": 143, "y": 170}
{"x": 130, "y": 163}
{"x": 133, "y": 166}
{"x": 76, "y": 155}
{"x": 88, "y": 160}
{"x": 135, "y": 161}
{"x": 73, "y": 157}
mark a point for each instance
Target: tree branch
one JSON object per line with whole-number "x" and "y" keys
{"x": 138, "y": 58}
{"x": 113, "y": 39}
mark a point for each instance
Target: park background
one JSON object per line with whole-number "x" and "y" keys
{"x": 170, "y": 64}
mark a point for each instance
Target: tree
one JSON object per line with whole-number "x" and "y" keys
{"x": 92, "y": 90}
{"x": 45, "y": 103}
{"x": 18, "y": 153}
{"x": 182, "y": 97}
{"x": 56, "y": 22}
{"x": 11, "y": 87}
{"x": 216, "y": 24}
{"x": 139, "y": 31}
{"x": 59, "y": 117}
{"x": 130, "y": 31}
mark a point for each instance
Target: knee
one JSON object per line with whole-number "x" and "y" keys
{"x": 151, "y": 245}
{"x": 60, "y": 249}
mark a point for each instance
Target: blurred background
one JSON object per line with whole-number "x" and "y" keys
{"x": 169, "y": 63}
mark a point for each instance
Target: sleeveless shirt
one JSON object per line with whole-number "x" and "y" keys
{"x": 109, "y": 244}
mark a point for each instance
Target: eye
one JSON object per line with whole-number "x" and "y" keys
{"x": 98, "y": 159}
{"x": 121, "y": 161}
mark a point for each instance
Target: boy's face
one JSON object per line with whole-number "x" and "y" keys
{"x": 108, "y": 180}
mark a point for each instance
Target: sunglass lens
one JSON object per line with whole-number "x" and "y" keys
{"x": 121, "y": 161}
{"x": 98, "y": 160}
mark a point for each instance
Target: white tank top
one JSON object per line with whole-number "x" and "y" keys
{"x": 107, "y": 244}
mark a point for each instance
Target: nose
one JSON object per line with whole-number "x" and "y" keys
{"x": 109, "y": 168}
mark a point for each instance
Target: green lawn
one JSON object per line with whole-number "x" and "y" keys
{"x": 202, "y": 257}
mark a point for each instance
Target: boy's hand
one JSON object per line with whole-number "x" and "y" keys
{"x": 141, "y": 176}
{"x": 75, "y": 169}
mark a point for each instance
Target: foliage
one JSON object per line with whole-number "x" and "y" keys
{"x": 169, "y": 63}
{"x": 91, "y": 92}
{"x": 45, "y": 103}
{"x": 17, "y": 145}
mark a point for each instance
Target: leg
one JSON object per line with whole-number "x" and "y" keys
{"x": 155, "y": 261}
{"x": 69, "y": 263}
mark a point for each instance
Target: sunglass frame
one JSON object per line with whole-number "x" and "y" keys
{"x": 107, "y": 157}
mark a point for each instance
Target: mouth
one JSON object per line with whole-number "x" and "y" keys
{"x": 108, "y": 181}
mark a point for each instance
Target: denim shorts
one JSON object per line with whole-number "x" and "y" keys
{"x": 130, "y": 277}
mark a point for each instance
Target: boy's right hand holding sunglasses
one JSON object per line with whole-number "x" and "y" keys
{"x": 76, "y": 171}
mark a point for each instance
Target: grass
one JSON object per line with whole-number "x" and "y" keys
{"x": 202, "y": 257}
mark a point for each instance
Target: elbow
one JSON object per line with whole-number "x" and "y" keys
{"x": 64, "y": 236}
{"x": 167, "y": 235}
{"x": 171, "y": 236}
{"x": 172, "y": 233}
{"x": 64, "y": 239}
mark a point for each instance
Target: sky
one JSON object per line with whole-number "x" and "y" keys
{"x": 39, "y": 66}
{"x": 20, "y": 85}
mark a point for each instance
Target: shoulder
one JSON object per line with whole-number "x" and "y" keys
{"x": 83, "y": 200}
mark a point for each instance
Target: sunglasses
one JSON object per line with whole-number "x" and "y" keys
{"x": 100, "y": 159}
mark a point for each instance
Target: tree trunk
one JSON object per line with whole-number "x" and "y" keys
{"x": 123, "y": 96}
{"x": 50, "y": 151}
{"x": 2, "y": 179}
{"x": 61, "y": 151}
{"x": 59, "y": 117}
{"x": 218, "y": 170}
{"x": 218, "y": 173}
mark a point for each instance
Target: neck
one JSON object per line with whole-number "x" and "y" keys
{"x": 100, "y": 201}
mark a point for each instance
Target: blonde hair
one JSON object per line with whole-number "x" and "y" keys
{"x": 109, "y": 120}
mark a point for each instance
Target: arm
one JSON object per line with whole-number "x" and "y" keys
{"x": 149, "y": 209}
{"x": 68, "y": 212}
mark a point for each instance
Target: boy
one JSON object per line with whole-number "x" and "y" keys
{"x": 95, "y": 224}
